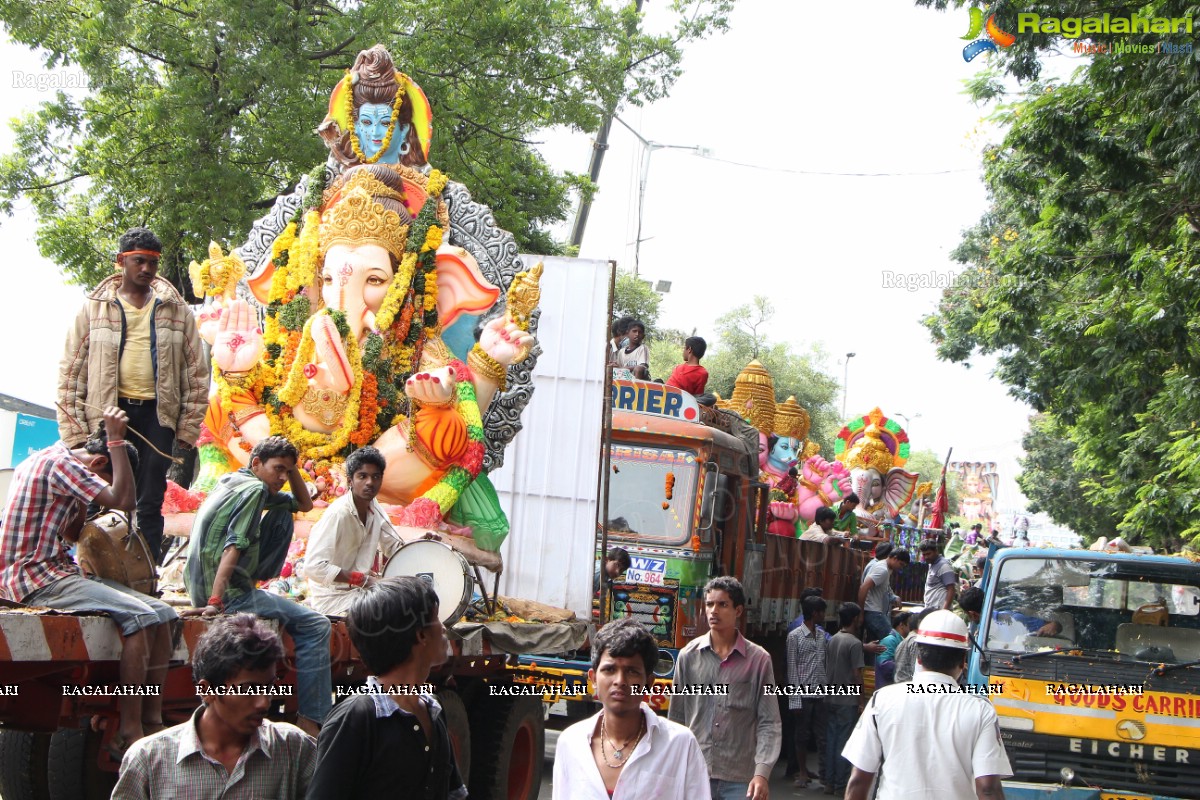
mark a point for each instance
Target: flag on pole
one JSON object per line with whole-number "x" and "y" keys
{"x": 941, "y": 503}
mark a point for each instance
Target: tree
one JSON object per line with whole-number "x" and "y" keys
{"x": 200, "y": 110}
{"x": 635, "y": 298}
{"x": 1082, "y": 275}
{"x": 741, "y": 339}
{"x": 1054, "y": 485}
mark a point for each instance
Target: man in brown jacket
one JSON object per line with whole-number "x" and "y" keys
{"x": 134, "y": 345}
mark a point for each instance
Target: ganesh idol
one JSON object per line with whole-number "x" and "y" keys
{"x": 360, "y": 293}
{"x": 874, "y": 449}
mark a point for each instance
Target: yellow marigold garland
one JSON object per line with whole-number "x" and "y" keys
{"x": 304, "y": 255}
{"x": 293, "y": 388}
{"x": 314, "y": 445}
{"x": 396, "y": 292}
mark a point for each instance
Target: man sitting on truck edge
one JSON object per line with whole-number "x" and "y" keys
{"x": 228, "y": 749}
{"x": 234, "y": 545}
{"x": 937, "y": 743}
{"x": 690, "y": 376}
{"x": 352, "y": 531}
{"x": 739, "y": 734}
{"x": 626, "y": 750}
{"x": 822, "y": 528}
{"x": 46, "y": 509}
{"x": 392, "y": 741}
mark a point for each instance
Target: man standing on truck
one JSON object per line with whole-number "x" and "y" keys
{"x": 941, "y": 583}
{"x": 46, "y": 509}
{"x": 235, "y": 665}
{"x": 241, "y": 536}
{"x": 627, "y": 752}
{"x": 935, "y": 742}
{"x": 135, "y": 345}
{"x": 740, "y": 732}
{"x": 875, "y": 594}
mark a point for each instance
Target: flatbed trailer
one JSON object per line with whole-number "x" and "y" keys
{"x": 50, "y": 750}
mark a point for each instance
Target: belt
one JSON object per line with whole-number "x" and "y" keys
{"x": 134, "y": 401}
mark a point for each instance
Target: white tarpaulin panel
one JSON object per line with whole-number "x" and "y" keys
{"x": 547, "y": 485}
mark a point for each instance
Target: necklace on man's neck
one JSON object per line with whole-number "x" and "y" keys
{"x": 619, "y": 752}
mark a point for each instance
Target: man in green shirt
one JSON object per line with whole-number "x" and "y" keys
{"x": 241, "y": 536}
{"x": 847, "y": 520}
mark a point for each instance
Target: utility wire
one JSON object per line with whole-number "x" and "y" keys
{"x": 836, "y": 174}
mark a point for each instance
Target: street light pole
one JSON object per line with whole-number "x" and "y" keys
{"x": 643, "y": 177}
{"x": 846, "y": 383}
{"x": 600, "y": 145}
{"x": 908, "y": 422}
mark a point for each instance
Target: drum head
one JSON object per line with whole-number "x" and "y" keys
{"x": 443, "y": 567}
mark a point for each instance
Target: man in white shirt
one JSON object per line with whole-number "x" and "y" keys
{"x": 343, "y": 544}
{"x": 932, "y": 740}
{"x": 627, "y": 752}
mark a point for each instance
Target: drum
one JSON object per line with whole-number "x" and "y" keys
{"x": 109, "y": 549}
{"x": 443, "y": 567}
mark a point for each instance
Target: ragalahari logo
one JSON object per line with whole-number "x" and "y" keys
{"x": 994, "y": 37}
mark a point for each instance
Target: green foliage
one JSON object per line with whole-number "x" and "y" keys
{"x": 740, "y": 339}
{"x": 636, "y": 298}
{"x": 1083, "y": 279}
{"x": 295, "y": 314}
{"x": 339, "y": 321}
{"x": 1053, "y": 483}
{"x": 200, "y": 111}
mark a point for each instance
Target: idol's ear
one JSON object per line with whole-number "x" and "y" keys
{"x": 260, "y": 284}
{"x": 461, "y": 287}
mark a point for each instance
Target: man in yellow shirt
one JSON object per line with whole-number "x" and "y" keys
{"x": 135, "y": 345}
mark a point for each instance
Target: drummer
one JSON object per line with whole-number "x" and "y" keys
{"x": 344, "y": 544}
{"x": 46, "y": 507}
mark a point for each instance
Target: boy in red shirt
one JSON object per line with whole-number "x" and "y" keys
{"x": 690, "y": 376}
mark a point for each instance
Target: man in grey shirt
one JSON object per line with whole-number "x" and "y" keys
{"x": 739, "y": 733}
{"x": 875, "y": 594}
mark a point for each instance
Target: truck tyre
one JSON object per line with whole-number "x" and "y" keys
{"x": 76, "y": 774}
{"x": 509, "y": 739}
{"x": 460, "y": 730}
{"x": 23, "y": 759}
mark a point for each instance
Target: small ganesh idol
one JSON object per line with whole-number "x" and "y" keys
{"x": 358, "y": 290}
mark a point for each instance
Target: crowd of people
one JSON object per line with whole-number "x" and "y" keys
{"x": 858, "y": 744}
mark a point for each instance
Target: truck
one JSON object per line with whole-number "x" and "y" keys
{"x": 685, "y": 500}
{"x": 51, "y": 747}
{"x": 1092, "y": 663}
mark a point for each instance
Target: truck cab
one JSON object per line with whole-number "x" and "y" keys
{"x": 1093, "y": 661}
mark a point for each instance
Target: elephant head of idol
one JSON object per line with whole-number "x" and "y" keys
{"x": 881, "y": 486}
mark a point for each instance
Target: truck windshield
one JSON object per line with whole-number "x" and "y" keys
{"x": 1126, "y": 607}
{"x": 641, "y": 506}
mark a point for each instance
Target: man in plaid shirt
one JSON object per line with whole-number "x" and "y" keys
{"x": 806, "y": 650}
{"x": 45, "y": 511}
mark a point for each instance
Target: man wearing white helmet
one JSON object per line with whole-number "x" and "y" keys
{"x": 906, "y": 722}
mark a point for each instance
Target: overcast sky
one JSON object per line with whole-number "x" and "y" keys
{"x": 794, "y": 88}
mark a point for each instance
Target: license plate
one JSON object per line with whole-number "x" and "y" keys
{"x": 1118, "y": 796}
